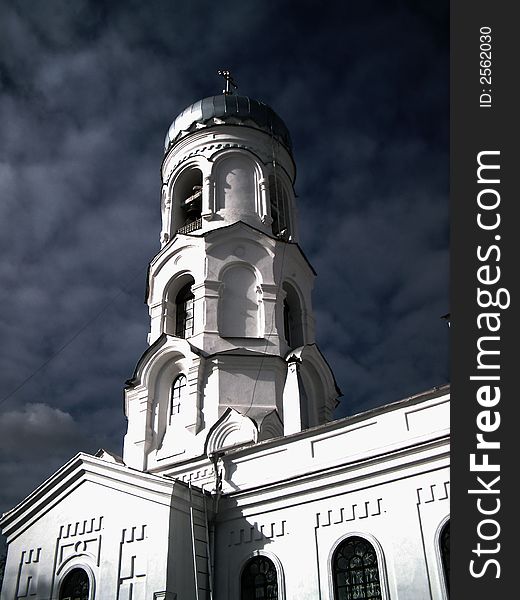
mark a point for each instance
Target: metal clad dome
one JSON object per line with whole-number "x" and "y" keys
{"x": 236, "y": 109}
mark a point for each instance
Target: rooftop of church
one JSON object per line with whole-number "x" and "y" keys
{"x": 228, "y": 109}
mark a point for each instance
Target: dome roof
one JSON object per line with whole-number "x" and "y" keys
{"x": 233, "y": 110}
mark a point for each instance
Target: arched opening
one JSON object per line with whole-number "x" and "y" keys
{"x": 184, "y": 306}
{"x": 279, "y": 203}
{"x": 75, "y": 585}
{"x": 187, "y": 201}
{"x": 444, "y": 541}
{"x": 235, "y": 185}
{"x": 177, "y": 395}
{"x": 259, "y": 580}
{"x": 238, "y": 308}
{"x": 355, "y": 570}
{"x": 292, "y": 317}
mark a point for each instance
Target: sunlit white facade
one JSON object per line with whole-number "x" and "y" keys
{"x": 234, "y": 482}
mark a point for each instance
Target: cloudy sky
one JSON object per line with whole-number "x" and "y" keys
{"x": 88, "y": 90}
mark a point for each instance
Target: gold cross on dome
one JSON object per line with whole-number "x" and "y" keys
{"x": 230, "y": 82}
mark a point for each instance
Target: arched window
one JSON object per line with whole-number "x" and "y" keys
{"x": 444, "y": 541}
{"x": 187, "y": 198}
{"x": 292, "y": 317}
{"x": 259, "y": 580}
{"x": 279, "y": 203}
{"x": 178, "y": 391}
{"x": 75, "y": 586}
{"x": 355, "y": 571}
{"x": 184, "y": 312}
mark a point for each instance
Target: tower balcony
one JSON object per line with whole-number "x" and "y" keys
{"x": 193, "y": 226}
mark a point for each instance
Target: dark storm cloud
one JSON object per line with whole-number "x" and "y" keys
{"x": 36, "y": 428}
{"x": 88, "y": 92}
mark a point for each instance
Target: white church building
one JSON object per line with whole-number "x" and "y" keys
{"x": 234, "y": 483}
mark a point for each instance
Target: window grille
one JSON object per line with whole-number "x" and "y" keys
{"x": 184, "y": 313}
{"x": 178, "y": 389}
{"x": 355, "y": 571}
{"x": 259, "y": 581}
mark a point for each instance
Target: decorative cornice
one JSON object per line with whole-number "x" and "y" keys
{"x": 216, "y": 147}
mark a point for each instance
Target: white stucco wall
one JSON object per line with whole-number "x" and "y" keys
{"x": 384, "y": 477}
{"x": 119, "y": 526}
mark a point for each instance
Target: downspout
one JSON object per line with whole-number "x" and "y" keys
{"x": 214, "y": 458}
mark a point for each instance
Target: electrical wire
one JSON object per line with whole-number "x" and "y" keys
{"x": 71, "y": 339}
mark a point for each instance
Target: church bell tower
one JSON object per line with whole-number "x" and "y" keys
{"x": 232, "y": 358}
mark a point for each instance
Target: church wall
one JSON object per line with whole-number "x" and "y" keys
{"x": 238, "y": 276}
{"x": 210, "y": 264}
{"x": 384, "y": 477}
{"x": 347, "y": 441}
{"x": 399, "y": 512}
{"x": 122, "y": 537}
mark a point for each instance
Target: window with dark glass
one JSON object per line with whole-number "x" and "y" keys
{"x": 355, "y": 571}
{"x": 178, "y": 389}
{"x": 184, "y": 313}
{"x": 75, "y": 586}
{"x": 445, "y": 554}
{"x": 259, "y": 580}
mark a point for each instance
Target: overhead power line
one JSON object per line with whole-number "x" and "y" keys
{"x": 123, "y": 290}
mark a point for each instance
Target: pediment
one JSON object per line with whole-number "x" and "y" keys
{"x": 80, "y": 469}
{"x": 232, "y": 429}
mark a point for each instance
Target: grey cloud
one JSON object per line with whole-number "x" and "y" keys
{"x": 35, "y": 428}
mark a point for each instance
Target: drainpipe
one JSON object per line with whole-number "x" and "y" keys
{"x": 214, "y": 458}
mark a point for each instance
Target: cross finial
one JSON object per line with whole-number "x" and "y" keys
{"x": 230, "y": 82}
{"x": 447, "y": 318}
